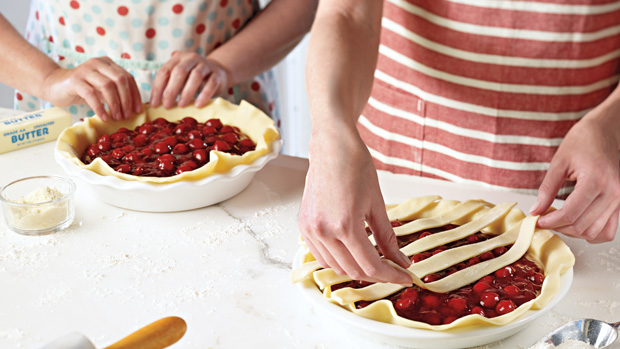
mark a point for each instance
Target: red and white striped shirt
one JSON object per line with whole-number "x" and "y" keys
{"x": 483, "y": 91}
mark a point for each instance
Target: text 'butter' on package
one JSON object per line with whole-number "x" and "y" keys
{"x": 33, "y": 128}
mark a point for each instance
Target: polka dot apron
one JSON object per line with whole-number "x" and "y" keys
{"x": 140, "y": 36}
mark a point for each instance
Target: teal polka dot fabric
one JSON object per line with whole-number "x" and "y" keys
{"x": 140, "y": 36}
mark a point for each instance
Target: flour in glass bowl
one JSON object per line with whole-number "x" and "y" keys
{"x": 39, "y": 217}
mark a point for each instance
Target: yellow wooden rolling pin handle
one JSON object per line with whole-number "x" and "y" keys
{"x": 158, "y": 335}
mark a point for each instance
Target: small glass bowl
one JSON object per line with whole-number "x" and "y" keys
{"x": 38, "y": 216}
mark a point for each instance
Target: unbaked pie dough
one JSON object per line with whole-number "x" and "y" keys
{"x": 73, "y": 141}
{"x": 504, "y": 222}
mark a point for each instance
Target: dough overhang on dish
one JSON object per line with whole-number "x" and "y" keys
{"x": 74, "y": 140}
{"x": 504, "y": 225}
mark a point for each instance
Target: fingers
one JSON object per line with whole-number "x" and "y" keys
{"x": 195, "y": 79}
{"x": 92, "y": 98}
{"x": 386, "y": 239}
{"x": 99, "y": 81}
{"x": 183, "y": 75}
{"x": 551, "y": 184}
{"x": 364, "y": 260}
{"x": 208, "y": 91}
{"x": 572, "y": 211}
{"x": 161, "y": 80}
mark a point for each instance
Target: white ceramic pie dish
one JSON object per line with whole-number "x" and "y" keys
{"x": 381, "y": 332}
{"x": 222, "y": 177}
{"x": 171, "y": 197}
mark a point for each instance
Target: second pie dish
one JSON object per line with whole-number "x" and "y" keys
{"x": 222, "y": 176}
{"x": 479, "y": 269}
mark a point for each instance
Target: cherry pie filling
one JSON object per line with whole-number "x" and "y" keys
{"x": 160, "y": 148}
{"x": 492, "y": 295}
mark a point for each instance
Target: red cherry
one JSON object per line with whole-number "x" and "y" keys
{"x": 93, "y": 151}
{"x": 191, "y": 164}
{"x": 104, "y": 146}
{"x": 505, "y": 306}
{"x": 171, "y": 141}
{"x": 362, "y": 304}
{"x": 430, "y": 278}
{"x": 473, "y": 239}
{"x": 248, "y": 143}
{"x": 221, "y": 146}
{"x": 430, "y": 301}
{"x": 478, "y": 310}
{"x": 488, "y": 279}
{"x": 485, "y": 256}
{"x": 215, "y": 123}
{"x": 183, "y": 168}
{"x": 194, "y": 135}
{"x": 481, "y": 287}
{"x": 146, "y": 129}
{"x": 180, "y": 149}
{"x": 403, "y": 304}
{"x": 166, "y": 158}
{"x": 161, "y": 148}
{"x": 208, "y": 131}
{"x": 393, "y": 223}
{"x": 200, "y": 155}
{"x": 420, "y": 257}
{"x": 498, "y": 251}
{"x": 424, "y": 234}
{"x": 512, "y": 291}
{"x": 226, "y": 129}
{"x": 118, "y": 153}
{"x": 166, "y": 166}
{"x": 134, "y": 157}
{"x": 539, "y": 278}
{"x": 190, "y": 121}
{"x": 489, "y": 299}
{"x": 140, "y": 140}
{"x": 123, "y": 168}
{"x": 505, "y": 272}
{"x": 147, "y": 152}
{"x": 196, "y": 143}
{"x": 473, "y": 261}
{"x": 230, "y": 138}
{"x": 182, "y": 128}
{"x": 138, "y": 171}
{"x": 410, "y": 293}
{"x": 458, "y": 304}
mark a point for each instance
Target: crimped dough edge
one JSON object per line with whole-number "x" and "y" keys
{"x": 546, "y": 248}
{"x": 74, "y": 140}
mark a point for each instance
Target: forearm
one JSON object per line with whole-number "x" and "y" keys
{"x": 607, "y": 116}
{"x": 342, "y": 56}
{"x": 266, "y": 39}
{"x": 22, "y": 66}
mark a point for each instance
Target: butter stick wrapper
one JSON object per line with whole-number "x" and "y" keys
{"x": 33, "y": 128}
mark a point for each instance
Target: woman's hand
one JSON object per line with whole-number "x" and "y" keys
{"x": 588, "y": 155}
{"x": 96, "y": 82}
{"x": 341, "y": 193}
{"x": 187, "y": 73}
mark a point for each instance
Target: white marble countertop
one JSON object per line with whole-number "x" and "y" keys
{"x": 224, "y": 269}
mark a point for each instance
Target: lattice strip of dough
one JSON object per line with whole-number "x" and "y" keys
{"x": 328, "y": 277}
{"x": 451, "y": 282}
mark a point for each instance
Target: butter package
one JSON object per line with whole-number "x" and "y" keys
{"x": 33, "y": 128}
